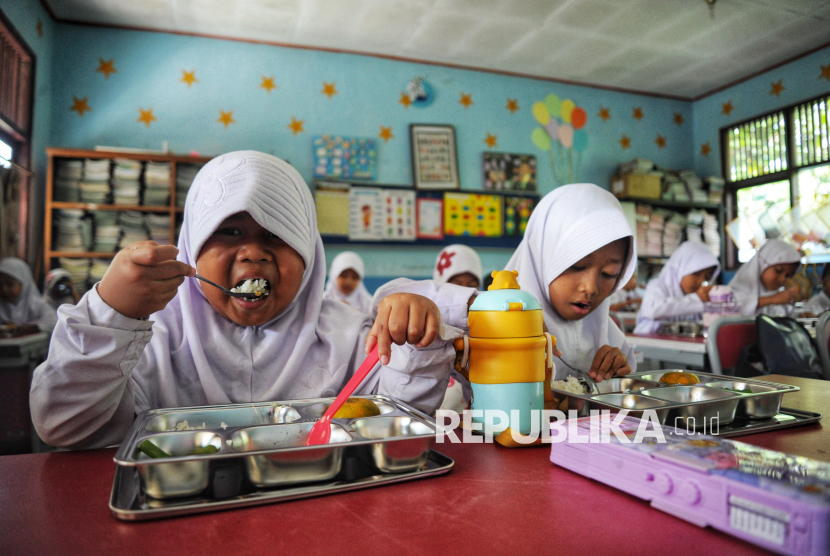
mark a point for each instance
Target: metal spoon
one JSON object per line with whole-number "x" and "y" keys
{"x": 590, "y": 381}
{"x": 244, "y": 295}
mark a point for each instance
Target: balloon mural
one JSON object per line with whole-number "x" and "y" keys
{"x": 561, "y": 135}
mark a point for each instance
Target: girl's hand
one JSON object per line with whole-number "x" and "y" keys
{"x": 143, "y": 278}
{"x": 788, "y": 296}
{"x": 703, "y": 292}
{"x": 403, "y": 318}
{"x": 608, "y": 362}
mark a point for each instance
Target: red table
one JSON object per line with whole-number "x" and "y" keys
{"x": 495, "y": 501}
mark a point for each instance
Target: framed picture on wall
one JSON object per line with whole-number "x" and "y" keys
{"x": 434, "y": 157}
{"x": 430, "y": 218}
{"x": 509, "y": 172}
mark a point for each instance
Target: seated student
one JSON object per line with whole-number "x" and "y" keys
{"x": 577, "y": 250}
{"x": 20, "y": 300}
{"x": 628, "y": 297}
{"x": 679, "y": 291}
{"x": 758, "y": 286}
{"x": 248, "y": 216}
{"x": 346, "y": 282}
{"x": 60, "y": 288}
{"x": 458, "y": 264}
{"x": 820, "y": 302}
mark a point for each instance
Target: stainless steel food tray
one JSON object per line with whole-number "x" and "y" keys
{"x": 129, "y": 503}
{"x": 718, "y": 397}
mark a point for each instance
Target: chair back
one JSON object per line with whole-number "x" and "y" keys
{"x": 727, "y": 336}
{"x": 822, "y": 341}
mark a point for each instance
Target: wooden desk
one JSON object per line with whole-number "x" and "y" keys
{"x": 495, "y": 501}
{"x": 18, "y": 359}
{"x": 681, "y": 351}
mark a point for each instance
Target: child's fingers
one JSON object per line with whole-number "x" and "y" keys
{"x": 379, "y": 335}
{"x": 416, "y": 325}
{"x": 602, "y": 363}
{"x": 621, "y": 366}
{"x": 398, "y": 324}
{"x": 431, "y": 329}
{"x": 556, "y": 352}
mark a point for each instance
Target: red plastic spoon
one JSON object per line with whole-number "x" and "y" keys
{"x": 321, "y": 431}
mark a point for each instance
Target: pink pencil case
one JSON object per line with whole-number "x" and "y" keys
{"x": 775, "y": 500}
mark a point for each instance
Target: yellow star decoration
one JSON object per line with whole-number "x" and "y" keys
{"x": 491, "y": 140}
{"x": 825, "y": 72}
{"x": 605, "y": 114}
{"x": 705, "y": 149}
{"x": 39, "y": 28}
{"x": 146, "y": 116}
{"x": 727, "y": 107}
{"x": 328, "y": 89}
{"x": 268, "y": 83}
{"x": 106, "y": 66}
{"x": 661, "y": 141}
{"x": 296, "y": 125}
{"x": 638, "y": 114}
{"x": 777, "y": 87}
{"x": 386, "y": 133}
{"x": 512, "y": 105}
{"x": 405, "y": 100}
{"x": 80, "y": 105}
{"x": 226, "y": 117}
{"x": 625, "y": 142}
{"x": 466, "y": 100}
{"x": 189, "y": 77}
{"x": 678, "y": 118}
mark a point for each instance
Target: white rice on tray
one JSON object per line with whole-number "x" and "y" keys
{"x": 252, "y": 286}
{"x": 571, "y": 385}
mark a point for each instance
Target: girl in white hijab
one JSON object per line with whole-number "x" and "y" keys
{"x": 346, "y": 282}
{"x": 458, "y": 264}
{"x": 248, "y": 215}
{"x": 578, "y": 249}
{"x": 758, "y": 285}
{"x": 20, "y": 300}
{"x": 679, "y": 290}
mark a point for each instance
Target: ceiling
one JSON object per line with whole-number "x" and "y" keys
{"x": 676, "y": 48}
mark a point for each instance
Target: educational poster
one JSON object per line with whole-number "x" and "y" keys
{"x": 331, "y": 201}
{"x": 509, "y": 172}
{"x": 472, "y": 215}
{"x": 344, "y": 157}
{"x": 366, "y": 213}
{"x": 431, "y": 218}
{"x": 517, "y": 211}
{"x": 399, "y": 215}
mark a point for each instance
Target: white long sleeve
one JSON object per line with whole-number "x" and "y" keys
{"x": 656, "y": 307}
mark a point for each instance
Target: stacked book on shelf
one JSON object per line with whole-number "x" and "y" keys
{"x": 72, "y": 230}
{"x": 133, "y": 228}
{"x": 68, "y": 175}
{"x": 184, "y": 178}
{"x": 126, "y": 181}
{"x": 95, "y": 185}
{"x": 107, "y": 231}
{"x": 156, "y": 184}
{"x": 682, "y": 186}
{"x": 79, "y": 269}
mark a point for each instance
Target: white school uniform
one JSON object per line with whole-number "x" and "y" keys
{"x": 570, "y": 223}
{"x": 817, "y": 304}
{"x": 747, "y": 286}
{"x": 360, "y": 298}
{"x": 30, "y": 308}
{"x": 104, "y": 367}
{"x": 623, "y": 296}
{"x": 664, "y": 299}
{"x": 454, "y": 260}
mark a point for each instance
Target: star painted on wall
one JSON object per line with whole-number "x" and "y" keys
{"x": 705, "y": 149}
{"x": 678, "y": 118}
{"x": 189, "y": 77}
{"x": 39, "y": 28}
{"x": 638, "y": 114}
{"x": 466, "y": 100}
{"x": 146, "y": 116}
{"x": 661, "y": 141}
{"x": 268, "y": 83}
{"x": 777, "y": 87}
{"x": 226, "y": 118}
{"x": 80, "y": 105}
{"x": 328, "y": 89}
{"x": 491, "y": 140}
{"x": 604, "y": 114}
{"x": 386, "y": 133}
{"x": 625, "y": 142}
{"x": 512, "y": 105}
{"x": 825, "y": 72}
{"x": 727, "y": 107}
{"x": 106, "y": 66}
{"x": 405, "y": 100}
{"x": 296, "y": 125}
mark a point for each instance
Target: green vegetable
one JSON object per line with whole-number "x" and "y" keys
{"x": 745, "y": 391}
{"x": 152, "y": 450}
{"x": 209, "y": 449}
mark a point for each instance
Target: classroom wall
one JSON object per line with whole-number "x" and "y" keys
{"x": 801, "y": 80}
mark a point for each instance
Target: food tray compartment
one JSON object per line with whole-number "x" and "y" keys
{"x": 655, "y": 376}
{"x": 762, "y": 403}
{"x": 317, "y": 409}
{"x": 409, "y": 442}
{"x": 222, "y": 417}
{"x": 177, "y": 478}
{"x": 706, "y": 404}
{"x": 634, "y": 403}
{"x": 624, "y": 384}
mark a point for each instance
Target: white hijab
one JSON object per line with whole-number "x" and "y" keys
{"x": 454, "y": 260}
{"x": 360, "y": 298}
{"x": 570, "y": 223}
{"x": 747, "y": 286}
{"x": 198, "y": 357}
{"x": 688, "y": 258}
{"x": 30, "y": 308}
